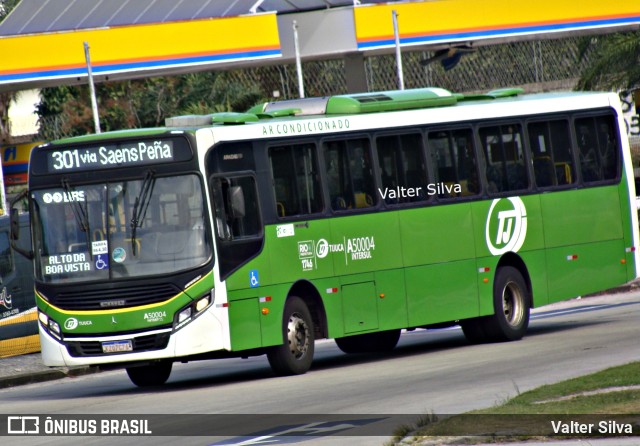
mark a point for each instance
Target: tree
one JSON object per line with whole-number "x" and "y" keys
{"x": 65, "y": 111}
{"x": 615, "y": 62}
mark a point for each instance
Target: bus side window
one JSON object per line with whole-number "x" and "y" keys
{"x": 296, "y": 185}
{"x": 598, "y": 148}
{"x": 401, "y": 162}
{"x": 349, "y": 174}
{"x": 550, "y": 144}
{"x": 608, "y": 146}
{"x": 504, "y": 152}
{"x": 454, "y": 162}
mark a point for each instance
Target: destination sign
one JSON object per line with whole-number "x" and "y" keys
{"x": 111, "y": 155}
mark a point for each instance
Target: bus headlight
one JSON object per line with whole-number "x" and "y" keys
{"x": 50, "y": 325}
{"x": 184, "y": 315}
{"x": 54, "y": 328}
{"x": 191, "y": 311}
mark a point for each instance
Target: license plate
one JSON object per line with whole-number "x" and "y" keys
{"x": 117, "y": 346}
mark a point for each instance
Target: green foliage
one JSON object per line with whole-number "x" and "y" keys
{"x": 6, "y": 6}
{"x": 615, "y": 62}
{"x": 66, "y": 111}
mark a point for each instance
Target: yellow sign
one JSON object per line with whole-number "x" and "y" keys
{"x": 15, "y": 162}
{"x": 138, "y": 48}
{"x": 447, "y": 21}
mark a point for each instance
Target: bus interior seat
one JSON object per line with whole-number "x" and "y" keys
{"x": 516, "y": 176}
{"x": 544, "y": 171}
{"x": 563, "y": 173}
{"x": 363, "y": 200}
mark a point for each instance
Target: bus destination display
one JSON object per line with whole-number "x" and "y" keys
{"x": 131, "y": 153}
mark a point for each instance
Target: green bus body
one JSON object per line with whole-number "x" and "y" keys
{"x": 349, "y": 217}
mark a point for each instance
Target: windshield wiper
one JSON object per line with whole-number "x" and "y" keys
{"x": 141, "y": 205}
{"x": 81, "y": 214}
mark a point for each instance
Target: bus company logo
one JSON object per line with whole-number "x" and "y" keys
{"x": 506, "y": 226}
{"x": 71, "y": 323}
{"x": 63, "y": 197}
{"x": 322, "y": 248}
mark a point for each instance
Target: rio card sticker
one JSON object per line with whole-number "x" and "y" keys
{"x": 119, "y": 255}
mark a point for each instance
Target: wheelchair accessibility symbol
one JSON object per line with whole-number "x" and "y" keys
{"x": 102, "y": 261}
{"x": 253, "y": 278}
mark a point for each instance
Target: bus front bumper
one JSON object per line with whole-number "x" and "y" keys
{"x": 203, "y": 334}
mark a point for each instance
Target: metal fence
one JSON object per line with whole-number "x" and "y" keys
{"x": 536, "y": 65}
{"x": 539, "y": 64}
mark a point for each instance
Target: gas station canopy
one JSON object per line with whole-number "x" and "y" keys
{"x": 42, "y": 41}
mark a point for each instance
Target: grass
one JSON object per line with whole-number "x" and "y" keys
{"x": 610, "y": 397}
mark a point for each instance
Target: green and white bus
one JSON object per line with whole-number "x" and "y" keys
{"x": 348, "y": 217}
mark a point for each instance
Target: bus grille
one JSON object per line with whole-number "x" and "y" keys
{"x": 104, "y": 299}
{"x": 79, "y": 349}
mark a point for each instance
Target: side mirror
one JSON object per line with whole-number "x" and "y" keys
{"x": 14, "y": 221}
{"x": 14, "y": 226}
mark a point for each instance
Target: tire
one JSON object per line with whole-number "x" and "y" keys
{"x": 150, "y": 375}
{"x": 473, "y": 330}
{"x": 511, "y": 304}
{"x": 295, "y": 355}
{"x": 380, "y": 342}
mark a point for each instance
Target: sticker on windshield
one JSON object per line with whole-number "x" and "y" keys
{"x": 99, "y": 247}
{"x": 119, "y": 255}
{"x": 101, "y": 261}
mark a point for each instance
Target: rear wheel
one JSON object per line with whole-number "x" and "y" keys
{"x": 511, "y": 303}
{"x": 473, "y": 330}
{"x": 150, "y": 375}
{"x": 383, "y": 341}
{"x": 295, "y": 355}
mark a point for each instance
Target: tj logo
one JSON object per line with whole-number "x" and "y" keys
{"x": 506, "y": 226}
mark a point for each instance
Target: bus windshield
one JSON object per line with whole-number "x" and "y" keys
{"x": 120, "y": 229}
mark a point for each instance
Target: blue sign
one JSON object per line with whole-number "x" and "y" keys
{"x": 254, "y": 281}
{"x": 102, "y": 261}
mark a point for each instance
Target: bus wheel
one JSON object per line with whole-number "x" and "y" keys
{"x": 150, "y": 375}
{"x": 383, "y": 341}
{"x": 511, "y": 303}
{"x": 295, "y": 355}
{"x": 473, "y": 331}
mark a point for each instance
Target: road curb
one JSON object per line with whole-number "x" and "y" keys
{"x": 44, "y": 375}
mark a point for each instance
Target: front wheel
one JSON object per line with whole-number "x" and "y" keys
{"x": 295, "y": 355}
{"x": 150, "y": 375}
{"x": 511, "y": 303}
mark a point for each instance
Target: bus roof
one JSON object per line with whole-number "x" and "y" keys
{"x": 345, "y": 105}
{"x": 350, "y": 104}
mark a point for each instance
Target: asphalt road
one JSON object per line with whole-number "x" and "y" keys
{"x": 429, "y": 372}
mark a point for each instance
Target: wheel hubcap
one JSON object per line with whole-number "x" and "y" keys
{"x": 298, "y": 336}
{"x": 513, "y": 304}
